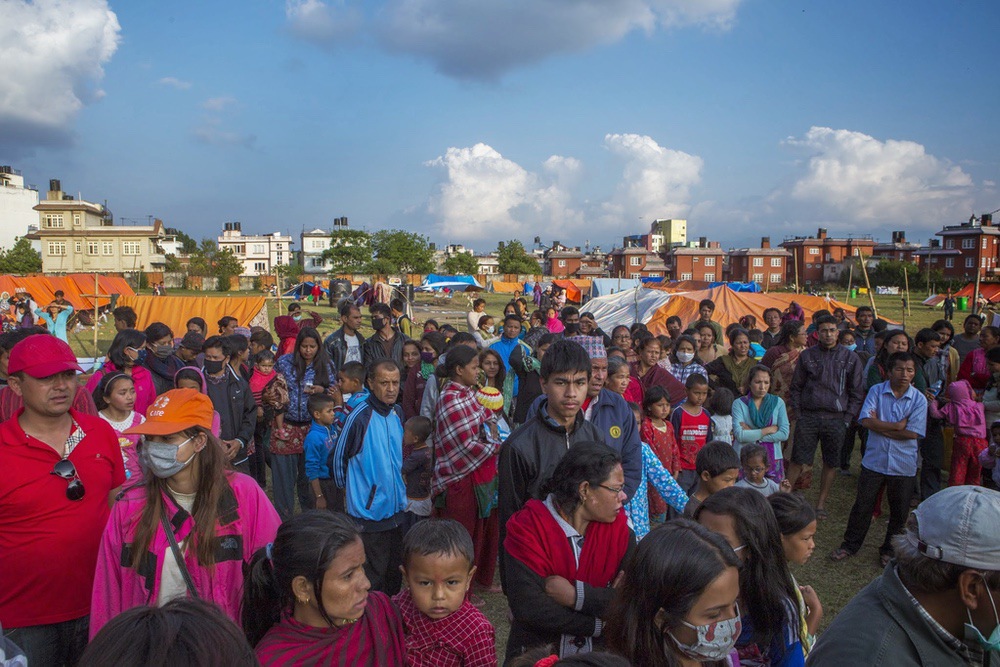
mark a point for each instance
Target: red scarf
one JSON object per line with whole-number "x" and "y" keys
{"x": 536, "y": 539}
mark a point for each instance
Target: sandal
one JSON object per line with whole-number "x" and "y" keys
{"x": 821, "y": 514}
{"x": 839, "y": 554}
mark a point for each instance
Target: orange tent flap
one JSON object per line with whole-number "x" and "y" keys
{"x": 42, "y": 288}
{"x": 175, "y": 311}
{"x": 501, "y": 287}
{"x": 572, "y": 291}
{"x": 730, "y": 306}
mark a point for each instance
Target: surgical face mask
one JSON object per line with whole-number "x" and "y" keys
{"x": 160, "y": 458}
{"x": 163, "y": 351}
{"x": 427, "y": 357}
{"x": 852, "y": 347}
{"x": 993, "y": 643}
{"x": 297, "y": 316}
{"x": 685, "y": 357}
{"x": 213, "y": 367}
{"x": 491, "y": 329}
{"x": 715, "y": 640}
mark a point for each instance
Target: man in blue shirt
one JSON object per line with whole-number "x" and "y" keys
{"x": 895, "y": 414}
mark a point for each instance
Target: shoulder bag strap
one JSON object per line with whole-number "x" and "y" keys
{"x": 178, "y": 556}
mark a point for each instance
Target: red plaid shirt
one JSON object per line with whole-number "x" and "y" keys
{"x": 463, "y": 639}
{"x": 459, "y": 448}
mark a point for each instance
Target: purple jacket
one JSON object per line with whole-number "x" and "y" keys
{"x": 247, "y": 522}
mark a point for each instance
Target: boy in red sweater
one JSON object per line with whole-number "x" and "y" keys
{"x": 692, "y": 426}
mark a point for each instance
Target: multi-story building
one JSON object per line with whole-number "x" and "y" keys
{"x": 977, "y": 245}
{"x": 312, "y": 245}
{"x": 487, "y": 264}
{"x": 259, "y": 253}
{"x": 78, "y": 236}
{"x": 703, "y": 263}
{"x": 818, "y": 259}
{"x": 899, "y": 249}
{"x": 636, "y": 262}
{"x": 934, "y": 257}
{"x": 562, "y": 261}
{"x": 672, "y": 232}
{"x": 765, "y": 265}
{"x": 17, "y": 206}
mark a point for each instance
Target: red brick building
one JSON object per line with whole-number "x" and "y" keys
{"x": 563, "y": 263}
{"x": 704, "y": 263}
{"x": 765, "y": 265}
{"x": 898, "y": 249}
{"x": 977, "y": 244}
{"x": 638, "y": 263}
{"x": 818, "y": 259}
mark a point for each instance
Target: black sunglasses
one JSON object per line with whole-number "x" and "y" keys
{"x": 65, "y": 469}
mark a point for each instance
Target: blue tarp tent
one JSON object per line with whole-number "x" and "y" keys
{"x": 454, "y": 283}
{"x": 303, "y": 290}
{"x": 605, "y": 286}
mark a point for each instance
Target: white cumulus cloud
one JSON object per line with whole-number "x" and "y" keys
{"x": 53, "y": 54}
{"x": 218, "y": 103}
{"x": 174, "y": 82}
{"x": 656, "y": 182}
{"x": 323, "y": 23}
{"x": 485, "y": 196}
{"x": 861, "y": 179}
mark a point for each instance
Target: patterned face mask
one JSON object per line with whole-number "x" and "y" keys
{"x": 715, "y": 640}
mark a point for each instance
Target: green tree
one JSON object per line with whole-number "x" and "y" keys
{"x": 350, "y": 250}
{"x": 406, "y": 251}
{"x": 225, "y": 265}
{"x": 381, "y": 267}
{"x": 20, "y": 259}
{"x": 188, "y": 244}
{"x": 462, "y": 263}
{"x": 514, "y": 259}
{"x": 173, "y": 264}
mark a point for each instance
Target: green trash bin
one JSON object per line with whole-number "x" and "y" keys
{"x": 854, "y": 292}
{"x": 963, "y": 303}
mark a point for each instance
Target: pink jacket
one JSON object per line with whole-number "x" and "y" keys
{"x": 247, "y": 522}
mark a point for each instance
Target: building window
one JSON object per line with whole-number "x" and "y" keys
{"x": 984, "y": 243}
{"x": 654, "y": 274}
{"x": 635, "y": 276}
{"x": 278, "y": 246}
{"x": 131, "y": 248}
{"x": 758, "y": 277}
{"x": 775, "y": 277}
{"x": 562, "y": 263}
{"x": 829, "y": 257}
{"x": 53, "y": 221}
{"x": 949, "y": 244}
{"x": 685, "y": 276}
{"x": 79, "y": 247}
{"x": 260, "y": 267}
{"x": 258, "y": 249}
{"x": 813, "y": 251}
{"x": 709, "y": 261}
{"x": 107, "y": 247}
{"x": 968, "y": 244}
{"x": 776, "y": 262}
{"x": 635, "y": 260}
{"x": 970, "y": 262}
{"x": 709, "y": 278}
{"x": 857, "y": 252}
{"x": 92, "y": 247}
{"x": 758, "y": 261}
{"x": 948, "y": 263}
{"x": 317, "y": 244}
{"x": 982, "y": 264}
{"x": 76, "y": 220}
{"x": 57, "y": 248}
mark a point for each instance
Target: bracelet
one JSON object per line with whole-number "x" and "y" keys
{"x": 319, "y": 495}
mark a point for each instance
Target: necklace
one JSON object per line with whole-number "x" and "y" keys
{"x": 346, "y": 621}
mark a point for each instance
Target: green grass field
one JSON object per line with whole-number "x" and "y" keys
{"x": 835, "y": 583}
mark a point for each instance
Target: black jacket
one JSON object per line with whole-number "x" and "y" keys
{"x": 373, "y": 351}
{"x": 527, "y": 459}
{"x": 828, "y": 382}
{"x": 237, "y": 410}
{"x": 336, "y": 347}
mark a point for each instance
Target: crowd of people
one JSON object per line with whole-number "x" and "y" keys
{"x": 228, "y": 498}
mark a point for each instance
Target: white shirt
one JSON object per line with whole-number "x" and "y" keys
{"x": 353, "y": 349}
{"x": 172, "y": 584}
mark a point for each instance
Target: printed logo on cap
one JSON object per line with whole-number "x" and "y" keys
{"x": 159, "y": 406}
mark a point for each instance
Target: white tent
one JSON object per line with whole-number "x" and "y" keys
{"x": 606, "y": 286}
{"x": 626, "y": 307}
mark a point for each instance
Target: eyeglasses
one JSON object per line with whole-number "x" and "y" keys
{"x": 613, "y": 489}
{"x": 740, "y": 548}
{"x": 758, "y": 469}
{"x": 65, "y": 469}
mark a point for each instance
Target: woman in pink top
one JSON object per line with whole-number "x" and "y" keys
{"x": 123, "y": 357}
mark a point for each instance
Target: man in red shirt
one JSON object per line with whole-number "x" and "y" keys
{"x": 61, "y": 472}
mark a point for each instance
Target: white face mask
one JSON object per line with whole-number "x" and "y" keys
{"x": 715, "y": 640}
{"x": 685, "y": 357}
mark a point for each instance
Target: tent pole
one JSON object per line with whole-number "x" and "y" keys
{"x": 868, "y": 285}
{"x": 906, "y": 283}
{"x": 850, "y": 280}
{"x": 795, "y": 260}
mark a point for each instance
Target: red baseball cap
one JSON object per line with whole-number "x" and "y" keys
{"x": 42, "y": 356}
{"x": 175, "y": 411}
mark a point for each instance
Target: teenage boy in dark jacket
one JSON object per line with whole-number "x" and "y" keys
{"x": 233, "y": 400}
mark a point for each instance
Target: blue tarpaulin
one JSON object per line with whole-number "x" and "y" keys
{"x": 454, "y": 283}
{"x": 303, "y": 290}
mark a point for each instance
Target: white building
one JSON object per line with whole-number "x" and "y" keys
{"x": 312, "y": 245}
{"x": 487, "y": 264}
{"x": 259, "y": 253}
{"x": 17, "y": 207}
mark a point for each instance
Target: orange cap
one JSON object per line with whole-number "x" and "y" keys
{"x": 175, "y": 411}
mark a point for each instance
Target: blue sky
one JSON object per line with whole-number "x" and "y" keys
{"x": 474, "y": 122}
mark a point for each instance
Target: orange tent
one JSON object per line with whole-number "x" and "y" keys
{"x": 42, "y": 288}
{"x": 501, "y": 287}
{"x": 574, "y": 288}
{"x": 730, "y": 306}
{"x": 175, "y": 311}
{"x": 989, "y": 291}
